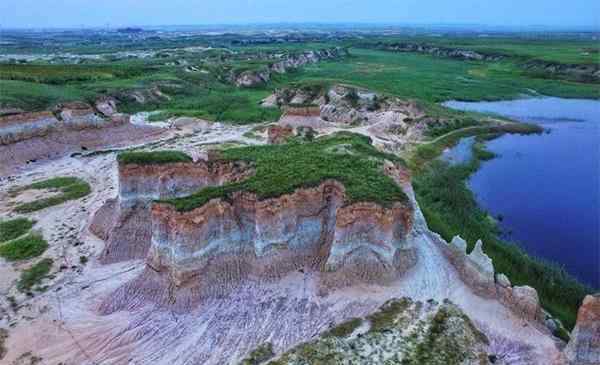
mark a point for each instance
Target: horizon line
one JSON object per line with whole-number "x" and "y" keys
{"x": 546, "y": 27}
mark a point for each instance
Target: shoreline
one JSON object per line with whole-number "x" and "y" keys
{"x": 442, "y": 189}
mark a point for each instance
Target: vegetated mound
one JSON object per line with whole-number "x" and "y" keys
{"x": 14, "y": 228}
{"x": 24, "y": 248}
{"x": 400, "y": 332}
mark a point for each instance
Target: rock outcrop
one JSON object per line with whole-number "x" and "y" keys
{"x": 286, "y": 63}
{"x": 439, "y": 51}
{"x": 106, "y": 106}
{"x": 477, "y": 270}
{"x": 584, "y": 346}
{"x": 588, "y": 72}
{"x": 309, "y": 228}
{"x": 125, "y": 224}
{"x": 24, "y": 126}
{"x": 347, "y": 105}
{"x": 68, "y": 128}
{"x": 279, "y": 134}
{"x": 64, "y": 117}
{"x": 208, "y": 250}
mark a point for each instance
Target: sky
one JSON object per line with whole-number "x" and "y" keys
{"x": 75, "y": 13}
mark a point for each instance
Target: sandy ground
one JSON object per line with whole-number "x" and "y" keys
{"x": 62, "y": 325}
{"x": 16, "y": 156}
{"x": 377, "y": 131}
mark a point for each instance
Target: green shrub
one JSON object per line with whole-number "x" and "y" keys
{"x": 153, "y": 158}
{"x": 261, "y": 354}
{"x": 70, "y": 188}
{"x": 34, "y": 275}
{"x": 281, "y": 169}
{"x": 14, "y": 228}
{"x": 386, "y": 316}
{"x": 24, "y": 248}
{"x": 344, "y": 329}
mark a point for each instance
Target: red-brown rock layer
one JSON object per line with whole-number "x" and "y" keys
{"x": 125, "y": 224}
{"x": 207, "y": 251}
{"x": 584, "y": 346}
{"x": 69, "y": 128}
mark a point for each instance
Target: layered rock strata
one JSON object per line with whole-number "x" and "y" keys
{"x": 68, "y": 128}
{"x": 253, "y": 78}
{"x": 207, "y": 251}
{"x": 311, "y": 228}
{"x": 584, "y": 346}
{"x": 64, "y": 117}
{"x": 125, "y": 224}
{"x": 349, "y": 106}
{"x": 438, "y": 51}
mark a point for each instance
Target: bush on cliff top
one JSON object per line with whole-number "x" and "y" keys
{"x": 153, "y": 158}
{"x": 281, "y": 169}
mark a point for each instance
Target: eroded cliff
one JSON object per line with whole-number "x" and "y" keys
{"x": 284, "y": 64}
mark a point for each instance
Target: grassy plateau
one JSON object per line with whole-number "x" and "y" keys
{"x": 281, "y": 169}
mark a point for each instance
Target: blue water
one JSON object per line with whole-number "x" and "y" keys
{"x": 547, "y": 187}
{"x": 461, "y": 153}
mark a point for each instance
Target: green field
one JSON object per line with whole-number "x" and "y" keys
{"x": 433, "y": 79}
{"x": 565, "y": 50}
{"x": 208, "y": 94}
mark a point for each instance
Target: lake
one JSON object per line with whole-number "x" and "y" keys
{"x": 546, "y": 187}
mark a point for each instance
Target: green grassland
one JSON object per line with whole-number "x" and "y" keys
{"x": 153, "y": 158}
{"x": 566, "y": 50}
{"x": 281, "y": 169}
{"x": 210, "y": 95}
{"x": 196, "y": 94}
{"x": 14, "y": 228}
{"x": 70, "y": 188}
{"x": 60, "y": 74}
{"x": 24, "y": 248}
{"x": 433, "y": 80}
